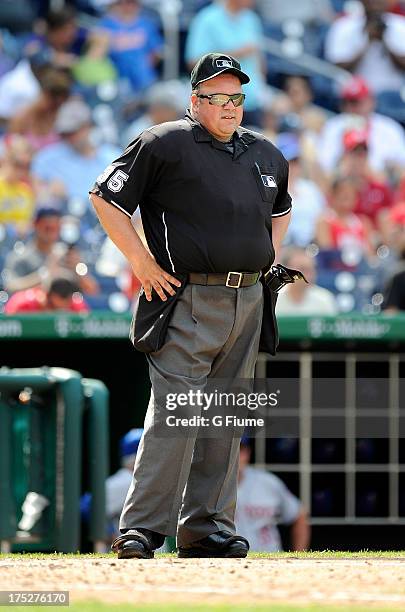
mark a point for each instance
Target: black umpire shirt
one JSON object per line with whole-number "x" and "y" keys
{"x": 203, "y": 208}
{"x": 206, "y": 206}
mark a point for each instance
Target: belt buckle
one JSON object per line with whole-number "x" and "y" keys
{"x": 229, "y": 281}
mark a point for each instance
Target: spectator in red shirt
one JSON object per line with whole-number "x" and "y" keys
{"x": 374, "y": 197}
{"x": 395, "y": 227}
{"x": 62, "y": 294}
{"x": 397, "y": 215}
{"x": 340, "y": 227}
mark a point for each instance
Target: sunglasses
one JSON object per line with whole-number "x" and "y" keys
{"x": 222, "y": 99}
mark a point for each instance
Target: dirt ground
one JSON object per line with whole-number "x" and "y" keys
{"x": 366, "y": 582}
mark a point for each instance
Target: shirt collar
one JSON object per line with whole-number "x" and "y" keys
{"x": 242, "y": 137}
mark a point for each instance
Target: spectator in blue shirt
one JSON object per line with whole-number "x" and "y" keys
{"x": 135, "y": 43}
{"x": 232, "y": 27}
{"x": 69, "y": 164}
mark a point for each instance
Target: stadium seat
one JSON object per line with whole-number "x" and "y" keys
{"x": 353, "y": 285}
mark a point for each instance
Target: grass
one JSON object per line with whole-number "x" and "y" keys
{"x": 322, "y": 554}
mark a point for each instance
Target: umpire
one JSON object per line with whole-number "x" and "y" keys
{"x": 215, "y": 207}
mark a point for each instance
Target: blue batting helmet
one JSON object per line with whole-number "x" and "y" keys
{"x": 245, "y": 440}
{"x": 130, "y": 442}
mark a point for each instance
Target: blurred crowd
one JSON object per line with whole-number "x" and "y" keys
{"x": 79, "y": 80}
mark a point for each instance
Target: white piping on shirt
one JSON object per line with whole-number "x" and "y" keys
{"x": 167, "y": 242}
{"x": 122, "y": 209}
{"x": 282, "y": 213}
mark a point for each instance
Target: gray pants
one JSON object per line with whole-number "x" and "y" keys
{"x": 188, "y": 484}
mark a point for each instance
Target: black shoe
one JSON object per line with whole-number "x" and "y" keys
{"x": 137, "y": 543}
{"x": 219, "y": 544}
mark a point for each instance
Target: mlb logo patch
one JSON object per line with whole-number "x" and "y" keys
{"x": 268, "y": 180}
{"x": 224, "y": 63}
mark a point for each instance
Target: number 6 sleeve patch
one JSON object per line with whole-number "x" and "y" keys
{"x": 128, "y": 179}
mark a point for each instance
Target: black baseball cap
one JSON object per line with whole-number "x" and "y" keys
{"x": 213, "y": 64}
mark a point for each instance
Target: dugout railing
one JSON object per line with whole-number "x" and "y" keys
{"x": 44, "y": 413}
{"x": 351, "y": 471}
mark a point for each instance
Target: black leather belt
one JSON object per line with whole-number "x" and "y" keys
{"x": 230, "y": 279}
